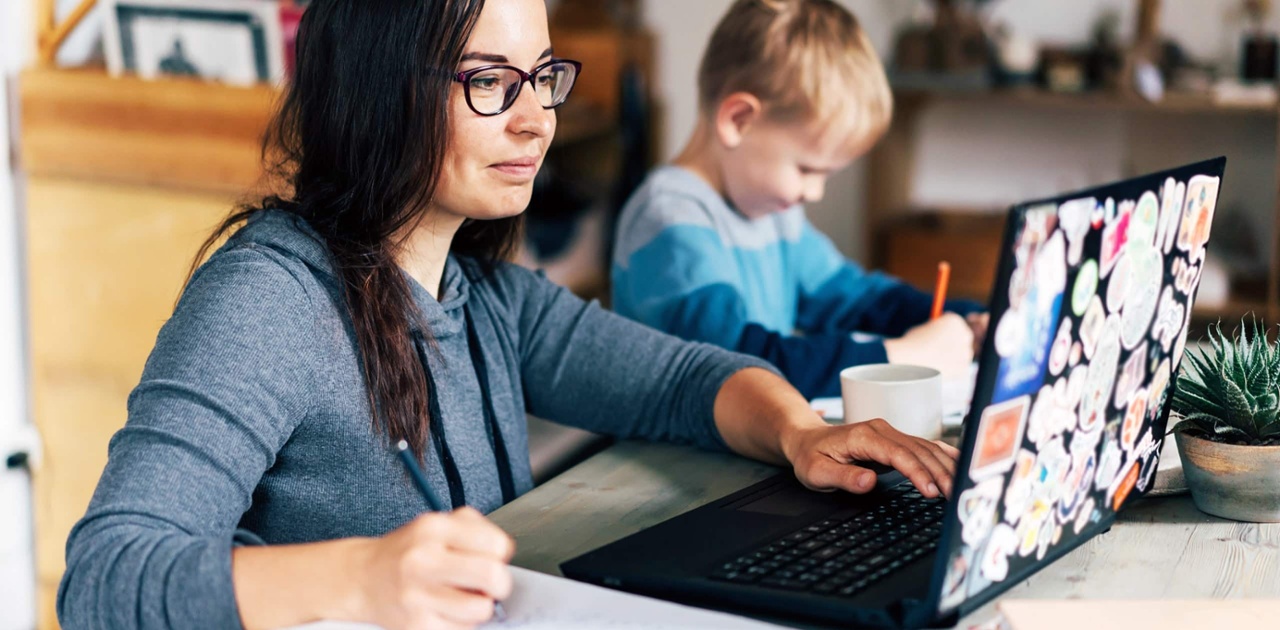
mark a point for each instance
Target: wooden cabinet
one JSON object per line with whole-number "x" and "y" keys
{"x": 125, "y": 178}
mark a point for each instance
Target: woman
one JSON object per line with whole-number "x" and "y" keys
{"x": 253, "y": 483}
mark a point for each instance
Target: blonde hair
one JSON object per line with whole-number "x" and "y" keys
{"x": 806, "y": 60}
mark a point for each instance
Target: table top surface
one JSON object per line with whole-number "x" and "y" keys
{"x": 1160, "y": 548}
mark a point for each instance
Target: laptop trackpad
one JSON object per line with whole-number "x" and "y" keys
{"x": 783, "y": 501}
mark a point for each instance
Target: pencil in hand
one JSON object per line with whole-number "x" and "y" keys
{"x": 940, "y": 290}
{"x": 433, "y": 500}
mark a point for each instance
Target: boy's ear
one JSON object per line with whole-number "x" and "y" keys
{"x": 736, "y": 114}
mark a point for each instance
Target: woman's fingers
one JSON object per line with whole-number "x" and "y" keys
{"x": 480, "y": 574}
{"x": 826, "y": 474}
{"x": 907, "y": 455}
{"x": 465, "y": 609}
{"x": 466, "y": 530}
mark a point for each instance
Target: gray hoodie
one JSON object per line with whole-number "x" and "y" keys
{"x": 251, "y": 423}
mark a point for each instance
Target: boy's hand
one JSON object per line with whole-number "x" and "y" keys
{"x": 978, "y": 324}
{"x": 945, "y": 344}
{"x": 823, "y": 457}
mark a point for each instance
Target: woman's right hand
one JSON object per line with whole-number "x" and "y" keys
{"x": 945, "y": 344}
{"x": 441, "y": 570}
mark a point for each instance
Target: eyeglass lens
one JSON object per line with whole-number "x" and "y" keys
{"x": 496, "y": 89}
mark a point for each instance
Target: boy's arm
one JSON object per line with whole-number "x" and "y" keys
{"x": 683, "y": 282}
{"x": 838, "y": 296}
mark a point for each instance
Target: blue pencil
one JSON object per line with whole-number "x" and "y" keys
{"x": 420, "y": 480}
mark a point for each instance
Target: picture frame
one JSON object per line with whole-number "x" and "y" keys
{"x": 238, "y": 42}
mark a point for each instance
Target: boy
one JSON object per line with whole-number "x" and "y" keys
{"x": 716, "y": 248}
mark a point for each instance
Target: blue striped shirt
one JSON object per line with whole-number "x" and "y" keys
{"x": 685, "y": 262}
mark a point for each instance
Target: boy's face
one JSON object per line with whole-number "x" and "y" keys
{"x": 777, "y": 165}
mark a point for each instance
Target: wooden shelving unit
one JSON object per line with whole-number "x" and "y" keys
{"x": 892, "y": 168}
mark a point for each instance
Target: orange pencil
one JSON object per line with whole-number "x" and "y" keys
{"x": 940, "y": 291}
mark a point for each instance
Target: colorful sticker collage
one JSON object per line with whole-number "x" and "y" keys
{"x": 1099, "y": 307}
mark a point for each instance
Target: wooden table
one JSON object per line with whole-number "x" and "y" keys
{"x": 1160, "y": 548}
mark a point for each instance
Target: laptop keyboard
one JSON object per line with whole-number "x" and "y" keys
{"x": 844, "y": 556}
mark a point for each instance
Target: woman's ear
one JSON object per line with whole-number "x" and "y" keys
{"x": 734, "y": 117}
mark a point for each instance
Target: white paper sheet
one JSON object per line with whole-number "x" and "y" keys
{"x": 544, "y": 602}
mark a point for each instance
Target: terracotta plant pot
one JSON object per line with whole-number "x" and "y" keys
{"x": 1241, "y": 483}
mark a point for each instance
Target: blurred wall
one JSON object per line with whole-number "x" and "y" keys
{"x": 17, "y": 568}
{"x": 979, "y": 155}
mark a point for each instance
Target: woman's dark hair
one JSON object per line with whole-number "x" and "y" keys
{"x": 357, "y": 148}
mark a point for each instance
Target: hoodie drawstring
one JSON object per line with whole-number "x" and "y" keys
{"x": 440, "y": 441}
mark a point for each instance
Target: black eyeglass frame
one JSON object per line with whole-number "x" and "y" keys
{"x": 464, "y": 77}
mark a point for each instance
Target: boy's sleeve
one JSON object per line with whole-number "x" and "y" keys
{"x": 681, "y": 281}
{"x": 838, "y": 296}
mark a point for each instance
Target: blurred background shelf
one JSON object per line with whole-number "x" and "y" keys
{"x": 898, "y": 228}
{"x": 1173, "y": 103}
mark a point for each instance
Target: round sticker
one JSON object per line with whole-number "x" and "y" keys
{"x": 1145, "y": 270}
{"x": 1086, "y": 287}
{"x": 1143, "y": 225}
{"x": 1118, "y": 287}
{"x": 1102, "y": 376}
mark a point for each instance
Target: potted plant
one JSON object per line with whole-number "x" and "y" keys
{"x": 1227, "y": 400}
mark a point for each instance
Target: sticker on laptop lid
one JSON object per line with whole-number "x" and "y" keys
{"x": 1074, "y": 217}
{"x": 1018, "y": 494}
{"x": 1108, "y": 463}
{"x": 1085, "y": 288}
{"x": 1132, "y": 376}
{"x": 1102, "y": 377}
{"x": 1091, "y": 326}
{"x": 1124, "y": 485}
{"x": 995, "y": 554}
{"x": 1197, "y": 215}
{"x": 1000, "y": 432}
{"x": 1168, "y": 320}
{"x": 1134, "y": 418}
{"x": 1144, "y": 222}
{"x": 1146, "y": 270}
{"x": 953, "y": 593}
{"x": 1185, "y": 276}
{"x": 1170, "y": 214}
{"x": 977, "y": 510}
{"x": 1061, "y": 351}
{"x": 1114, "y": 238}
{"x": 1159, "y": 386}
{"x": 1118, "y": 286}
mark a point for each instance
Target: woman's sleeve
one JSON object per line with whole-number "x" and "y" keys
{"x": 586, "y": 367}
{"x": 222, "y": 391}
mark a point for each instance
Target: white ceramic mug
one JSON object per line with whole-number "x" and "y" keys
{"x": 908, "y": 397}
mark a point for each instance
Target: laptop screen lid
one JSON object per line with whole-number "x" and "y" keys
{"x": 1089, "y": 320}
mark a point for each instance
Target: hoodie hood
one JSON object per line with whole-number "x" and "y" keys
{"x": 292, "y": 236}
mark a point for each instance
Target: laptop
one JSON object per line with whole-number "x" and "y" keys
{"x": 1089, "y": 319}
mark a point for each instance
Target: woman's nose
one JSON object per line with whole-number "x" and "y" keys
{"x": 528, "y": 115}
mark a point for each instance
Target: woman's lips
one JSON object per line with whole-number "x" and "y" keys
{"x": 524, "y": 168}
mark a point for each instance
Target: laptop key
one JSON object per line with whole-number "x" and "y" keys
{"x": 827, "y": 553}
{"x": 782, "y": 583}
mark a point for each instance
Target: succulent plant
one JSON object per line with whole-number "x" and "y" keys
{"x": 1230, "y": 392}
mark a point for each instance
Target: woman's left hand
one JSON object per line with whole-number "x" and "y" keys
{"x": 824, "y": 457}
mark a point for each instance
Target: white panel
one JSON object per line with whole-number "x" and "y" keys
{"x": 17, "y": 564}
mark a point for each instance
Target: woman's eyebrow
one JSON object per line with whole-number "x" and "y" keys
{"x": 492, "y": 58}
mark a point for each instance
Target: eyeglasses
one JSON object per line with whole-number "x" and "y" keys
{"x": 491, "y": 90}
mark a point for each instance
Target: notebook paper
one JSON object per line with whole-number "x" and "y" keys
{"x": 544, "y": 602}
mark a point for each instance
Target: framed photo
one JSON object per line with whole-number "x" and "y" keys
{"x": 232, "y": 41}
